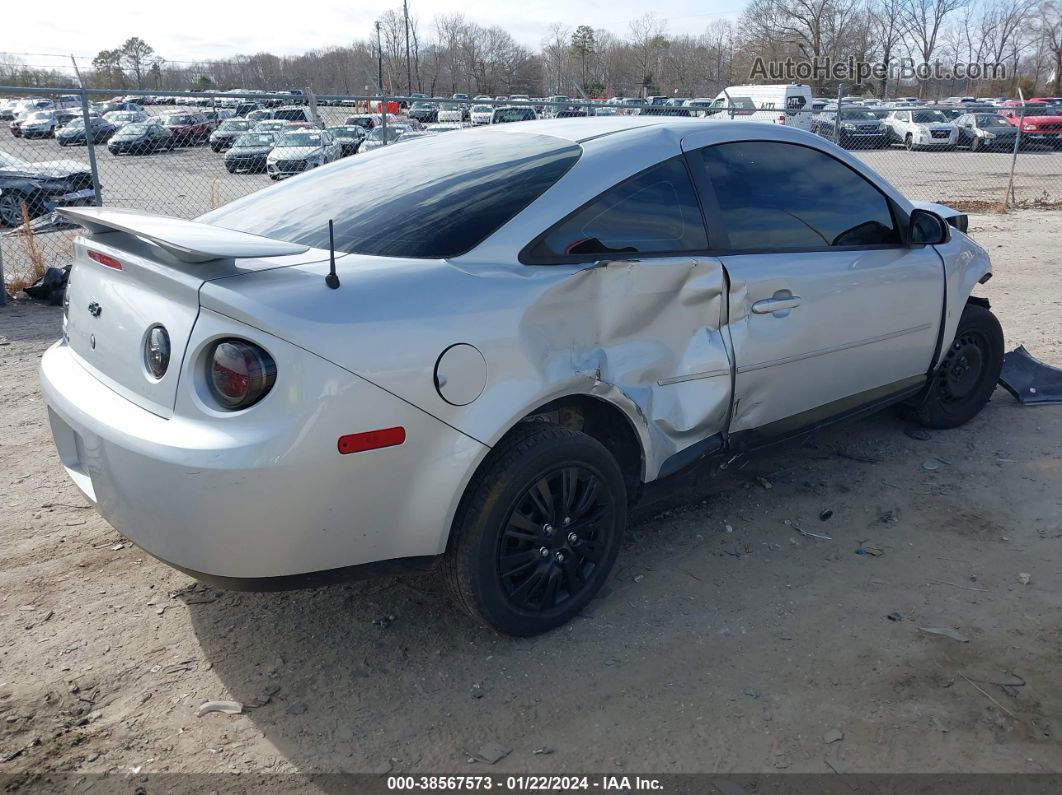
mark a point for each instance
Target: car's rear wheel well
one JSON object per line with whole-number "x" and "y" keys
{"x": 601, "y": 421}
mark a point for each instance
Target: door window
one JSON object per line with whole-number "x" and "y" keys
{"x": 778, "y": 196}
{"x": 655, "y": 211}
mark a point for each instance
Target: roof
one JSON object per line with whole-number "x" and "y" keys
{"x": 581, "y": 128}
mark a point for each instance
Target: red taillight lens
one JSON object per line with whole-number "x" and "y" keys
{"x": 103, "y": 259}
{"x": 371, "y": 440}
{"x": 240, "y": 374}
{"x": 781, "y": 119}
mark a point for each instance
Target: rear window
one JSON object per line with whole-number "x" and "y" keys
{"x": 455, "y": 190}
{"x": 290, "y": 115}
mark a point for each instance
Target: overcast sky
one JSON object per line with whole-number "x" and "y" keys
{"x": 195, "y": 29}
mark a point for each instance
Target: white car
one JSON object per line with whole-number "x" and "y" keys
{"x": 474, "y": 350}
{"x": 921, "y": 128}
{"x": 39, "y": 124}
{"x": 699, "y": 105}
{"x": 451, "y": 112}
{"x": 119, "y": 118}
{"x": 296, "y": 113}
{"x": 481, "y": 114}
{"x": 300, "y": 150}
{"x": 375, "y": 137}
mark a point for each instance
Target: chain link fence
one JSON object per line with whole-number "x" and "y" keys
{"x": 187, "y": 153}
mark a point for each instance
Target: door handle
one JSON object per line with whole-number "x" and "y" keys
{"x": 769, "y": 306}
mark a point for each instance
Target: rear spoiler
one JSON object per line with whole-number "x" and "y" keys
{"x": 188, "y": 241}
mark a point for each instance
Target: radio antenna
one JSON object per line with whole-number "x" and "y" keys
{"x": 331, "y": 279}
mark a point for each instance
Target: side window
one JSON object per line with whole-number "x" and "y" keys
{"x": 778, "y": 195}
{"x": 653, "y": 212}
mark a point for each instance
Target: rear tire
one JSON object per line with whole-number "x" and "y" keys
{"x": 908, "y": 142}
{"x": 967, "y": 376}
{"x": 538, "y": 530}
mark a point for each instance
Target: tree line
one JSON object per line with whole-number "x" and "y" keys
{"x": 453, "y": 53}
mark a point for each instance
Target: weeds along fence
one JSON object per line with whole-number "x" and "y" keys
{"x": 992, "y": 164}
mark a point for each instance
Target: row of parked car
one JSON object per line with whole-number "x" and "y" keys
{"x": 282, "y": 148}
{"x": 973, "y": 125}
{"x": 289, "y": 139}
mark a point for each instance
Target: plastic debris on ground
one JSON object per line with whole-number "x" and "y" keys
{"x": 1030, "y": 380}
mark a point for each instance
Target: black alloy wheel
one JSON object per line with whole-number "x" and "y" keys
{"x": 538, "y": 529}
{"x": 554, "y": 539}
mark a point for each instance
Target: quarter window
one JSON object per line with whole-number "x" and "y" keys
{"x": 653, "y": 212}
{"x": 777, "y": 195}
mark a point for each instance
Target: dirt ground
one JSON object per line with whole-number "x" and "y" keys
{"x": 726, "y": 640}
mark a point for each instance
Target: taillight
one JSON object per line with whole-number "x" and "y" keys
{"x": 781, "y": 119}
{"x": 103, "y": 259}
{"x": 157, "y": 351}
{"x": 239, "y": 373}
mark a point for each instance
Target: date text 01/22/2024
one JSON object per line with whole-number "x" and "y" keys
{"x": 524, "y": 783}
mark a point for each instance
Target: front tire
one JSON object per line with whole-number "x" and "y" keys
{"x": 908, "y": 142}
{"x": 538, "y": 531}
{"x": 967, "y": 376}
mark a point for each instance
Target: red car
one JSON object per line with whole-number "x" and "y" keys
{"x": 188, "y": 128}
{"x": 1040, "y": 122}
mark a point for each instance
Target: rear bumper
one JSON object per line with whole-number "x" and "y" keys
{"x": 262, "y": 493}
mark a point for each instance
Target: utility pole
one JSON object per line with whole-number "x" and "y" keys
{"x": 379, "y": 59}
{"x": 409, "y": 76}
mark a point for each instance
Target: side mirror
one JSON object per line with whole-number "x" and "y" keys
{"x": 928, "y": 229}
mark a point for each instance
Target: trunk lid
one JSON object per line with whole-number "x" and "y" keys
{"x": 109, "y": 313}
{"x": 135, "y": 271}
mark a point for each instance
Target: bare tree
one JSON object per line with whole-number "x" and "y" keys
{"x": 1051, "y": 28}
{"x": 887, "y": 28}
{"x": 924, "y": 19}
{"x": 647, "y": 44}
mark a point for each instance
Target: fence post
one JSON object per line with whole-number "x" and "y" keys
{"x": 1014, "y": 156}
{"x": 383, "y": 115}
{"x": 90, "y": 143}
{"x": 837, "y": 117}
{"x": 3, "y": 284}
{"x": 311, "y": 100}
